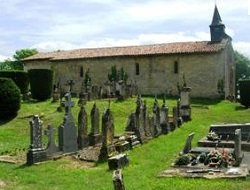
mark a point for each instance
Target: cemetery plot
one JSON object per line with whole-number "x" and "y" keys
{"x": 219, "y": 155}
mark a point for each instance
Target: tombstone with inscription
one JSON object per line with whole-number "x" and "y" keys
{"x": 164, "y": 118}
{"x": 156, "y": 112}
{"x": 82, "y": 137}
{"x": 108, "y": 147}
{"x": 67, "y": 130}
{"x": 51, "y": 148}
{"x": 36, "y": 152}
{"x": 95, "y": 137}
{"x": 146, "y": 120}
{"x": 185, "y": 107}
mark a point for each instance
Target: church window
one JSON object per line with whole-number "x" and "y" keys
{"x": 81, "y": 71}
{"x": 137, "y": 69}
{"x": 176, "y": 67}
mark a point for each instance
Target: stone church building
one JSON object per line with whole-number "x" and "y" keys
{"x": 208, "y": 66}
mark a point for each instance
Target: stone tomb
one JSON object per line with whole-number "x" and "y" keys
{"x": 223, "y": 135}
{"x": 95, "y": 137}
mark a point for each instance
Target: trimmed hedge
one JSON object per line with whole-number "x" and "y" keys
{"x": 244, "y": 87}
{"x": 10, "y": 98}
{"x": 41, "y": 82}
{"x": 19, "y": 77}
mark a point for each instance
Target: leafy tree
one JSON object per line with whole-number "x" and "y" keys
{"x": 242, "y": 66}
{"x": 23, "y": 53}
{"x": 16, "y": 64}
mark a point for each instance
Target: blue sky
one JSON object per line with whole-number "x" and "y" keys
{"x": 50, "y": 25}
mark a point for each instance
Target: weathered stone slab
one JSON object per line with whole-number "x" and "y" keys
{"x": 82, "y": 137}
{"x": 188, "y": 144}
{"x": 51, "y": 148}
{"x": 118, "y": 180}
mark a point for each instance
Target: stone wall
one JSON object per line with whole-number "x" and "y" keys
{"x": 156, "y": 72}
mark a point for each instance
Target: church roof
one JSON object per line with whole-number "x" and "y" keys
{"x": 142, "y": 50}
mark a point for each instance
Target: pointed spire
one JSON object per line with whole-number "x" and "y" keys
{"x": 216, "y": 17}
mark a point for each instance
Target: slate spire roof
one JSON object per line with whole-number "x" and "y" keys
{"x": 216, "y": 17}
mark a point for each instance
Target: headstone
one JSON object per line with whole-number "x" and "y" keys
{"x": 82, "y": 137}
{"x": 156, "y": 112}
{"x": 107, "y": 135}
{"x": 118, "y": 161}
{"x": 95, "y": 137}
{"x": 70, "y": 83}
{"x": 118, "y": 180}
{"x": 56, "y": 94}
{"x": 188, "y": 144}
{"x": 237, "y": 147}
{"x": 67, "y": 130}
{"x": 164, "y": 118}
{"x": 185, "y": 108}
{"x": 146, "y": 120}
{"x": 36, "y": 152}
{"x": 175, "y": 119}
{"x": 131, "y": 123}
{"x": 51, "y": 148}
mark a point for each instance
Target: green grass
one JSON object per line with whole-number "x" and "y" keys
{"x": 146, "y": 162}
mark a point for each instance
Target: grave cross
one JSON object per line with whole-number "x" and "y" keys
{"x": 50, "y": 132}
{"x": 71, "y": 84}
{"x": 68, "y": 104}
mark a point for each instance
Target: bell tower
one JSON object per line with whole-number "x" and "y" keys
{"x": 217, "y": 28}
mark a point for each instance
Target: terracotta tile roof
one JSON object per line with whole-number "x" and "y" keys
{"x": 156, "y": 49}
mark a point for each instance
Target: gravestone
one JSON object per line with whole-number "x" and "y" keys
{"x": 118, "y": 161}
{"x": 237, "y": 147}
{"x": 82, "y": 137}
{"x": 175, "y": 119}
{"x": 56, "y": 94}
{"x": 95, "y": 137}
{"x": 51, "y": 148}
{"x": 118, "y": 180}
{"x": 146, "y": 120}
{"x": 107, "y": 135}
{"x": 185, "y": 108}
{"x": 36, "y": 152}
{"x": 156, "y": 112}
{"x": 67, "y": 130}
{"x": 140, "y": 120}
{"x": 131, "y": 123}
{"x": 164, "y": 118}
{"x": 188, "y": 144}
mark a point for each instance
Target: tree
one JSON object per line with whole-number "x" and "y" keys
{"x": 16, "y": 64}
{"x": 242, "y": 66}
{"x": 23, "y": 53}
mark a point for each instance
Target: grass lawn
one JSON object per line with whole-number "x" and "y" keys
{"x": 146, "y": 161}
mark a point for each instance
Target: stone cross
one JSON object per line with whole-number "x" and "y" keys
{"x": 237, "y": 147}
{"x": 71, "y": 83}
{"x": 188, "y": 144}
{"x": 118, "y": 180}
{"x": 36, "y": 133}
{"x": 67, "y": 131}
{"x": 68, "y": 104}
{"x": 51, "y": 148}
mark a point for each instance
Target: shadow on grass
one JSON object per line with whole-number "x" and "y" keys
{"x": 7, "y": 120}
{"x": 240, "y": 108}
{"x": 204, "y": 101}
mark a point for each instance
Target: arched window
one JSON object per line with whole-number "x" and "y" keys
{"x": 81, "y": 71}
{"x": 176, "y": 67}
{"x": 137, "y": 69}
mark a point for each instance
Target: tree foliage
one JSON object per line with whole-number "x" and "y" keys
{"x": 16, "y": 64}
{"x": 242, "y": 66}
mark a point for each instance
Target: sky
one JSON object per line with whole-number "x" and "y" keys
{"x": 50, "y": 25}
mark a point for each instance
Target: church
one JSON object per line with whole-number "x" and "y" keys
{"x": 208, "y": 66}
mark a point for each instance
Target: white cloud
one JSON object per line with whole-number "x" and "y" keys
{"x": 53, "y": 46}
{"x": 2, "y": 58}
{"x": 242, "y": 47}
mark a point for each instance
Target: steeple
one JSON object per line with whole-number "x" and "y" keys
{"x": 217, "y": 28}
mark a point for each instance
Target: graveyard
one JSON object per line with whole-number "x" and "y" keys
{"x": 146, "y": 160}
